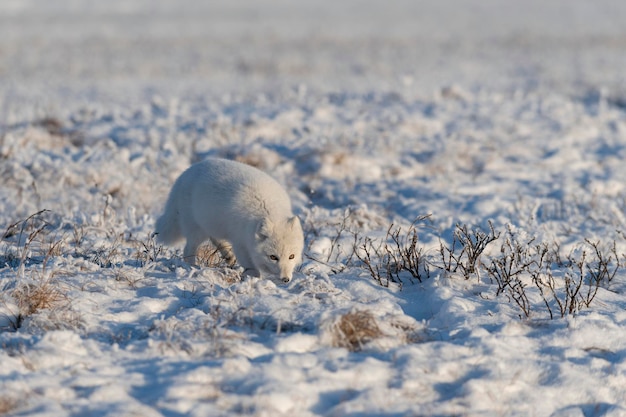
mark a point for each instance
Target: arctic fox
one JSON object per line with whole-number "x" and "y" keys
{"x": 242, "y": 210}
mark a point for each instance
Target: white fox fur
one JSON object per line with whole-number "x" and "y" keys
{"x": 242, "y": 210}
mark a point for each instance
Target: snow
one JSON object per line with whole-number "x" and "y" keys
{"x": 376, "y": 117}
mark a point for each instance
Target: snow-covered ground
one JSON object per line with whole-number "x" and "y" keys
{"x": 452, "y": 121}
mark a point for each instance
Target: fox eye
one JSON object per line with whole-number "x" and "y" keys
{"x": 274, "y": 257}
{"x": 292, "y": 256}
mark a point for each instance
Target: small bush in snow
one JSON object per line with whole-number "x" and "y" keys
{"x": 572, "y": 284}
{"x": 398, "y": 253}
{"x": 528, "y": 273}
{"x": 565, "y": 284}
{"x": 467, "y": 247}
{"x": 148, "y": 250}
{"x": 334, "y": 254}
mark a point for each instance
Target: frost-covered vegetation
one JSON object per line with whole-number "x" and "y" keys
{"x": 457, "y": 167}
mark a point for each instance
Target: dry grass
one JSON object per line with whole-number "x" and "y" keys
{"x": 8, "y": 404}
{"x": 209, "y": 256}
{"x": 33, "y": 297}
{"x": 35, "y": 288}
{"x": 355, "y": 329}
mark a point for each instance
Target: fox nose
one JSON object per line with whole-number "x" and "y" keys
{"x": 285, "y": 274}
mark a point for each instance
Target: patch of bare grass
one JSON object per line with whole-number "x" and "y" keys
{"x": 354, "y": 330}
{"x": 8, "y": 404}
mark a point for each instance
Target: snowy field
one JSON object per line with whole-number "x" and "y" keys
{"x": 458, "y": 167}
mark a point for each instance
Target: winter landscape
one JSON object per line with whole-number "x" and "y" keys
{"x": 458, "y": 168}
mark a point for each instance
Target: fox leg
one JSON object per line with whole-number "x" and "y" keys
{"x": 190, "y": 251}
{"x": 195, "y": 237}
{"x": 246, "y": 263}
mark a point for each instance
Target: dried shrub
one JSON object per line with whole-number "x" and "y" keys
{"x": 467, "y": 247}
{"x": 565, "y": 283}
{"x": 572, "y": 284}
{"x": 377, "y": 262}
{"x": 515, "y": 260}
{"x": 106, "y": 255}
{"x": 148, "y": 250}
{"x": 399, "y": 252}
{"x": 404, "y": 251}
{"x": 605, "y": 266}
{"x": 336, "y": 259}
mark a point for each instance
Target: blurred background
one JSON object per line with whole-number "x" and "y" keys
{"x": 72, "y": 51}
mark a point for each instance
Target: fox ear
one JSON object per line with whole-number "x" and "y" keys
{"x": 293, "y": 222}
{"x": 263, "y": 230}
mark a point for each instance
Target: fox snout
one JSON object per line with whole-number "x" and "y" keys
{"x": 285, "y": 277}
{"x": 285, "y": 271}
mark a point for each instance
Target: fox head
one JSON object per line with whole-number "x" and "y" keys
{"x": 279, "y": 247}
